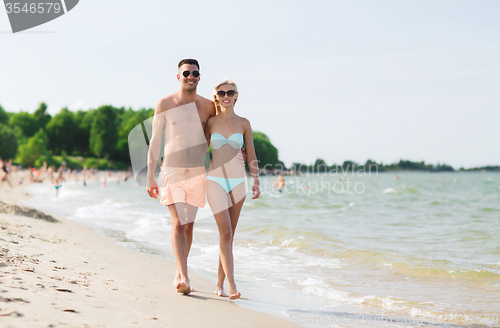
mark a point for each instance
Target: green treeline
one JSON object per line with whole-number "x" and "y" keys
{"x": 320, "y": 166}
{"x": 97, "y": 138}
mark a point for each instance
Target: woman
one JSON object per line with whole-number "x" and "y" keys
{"x": 226, "y": 133}
{"x": 4, "y": 173}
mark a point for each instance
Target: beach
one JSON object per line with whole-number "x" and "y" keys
{"x": 329, "y": 250}
{"x": 65, "y": 274}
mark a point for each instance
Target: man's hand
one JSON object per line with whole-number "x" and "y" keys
{"x": 242, "y": 158}
{"x": 152, "y": 189}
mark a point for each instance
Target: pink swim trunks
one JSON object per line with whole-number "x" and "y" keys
{"x": 183, "y": 185}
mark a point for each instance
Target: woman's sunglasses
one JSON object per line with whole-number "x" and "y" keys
{"x": 229, "y": 93}
{"x": 195, "y": 73}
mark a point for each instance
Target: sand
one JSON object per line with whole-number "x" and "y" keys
{"x": 63, "y": 274}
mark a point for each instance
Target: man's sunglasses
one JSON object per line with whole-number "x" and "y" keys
{"x": 195, "y": 73}
{"x": 229, "y": 93}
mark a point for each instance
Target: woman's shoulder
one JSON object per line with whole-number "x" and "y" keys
{"x": 244, "y": 121}
{"x": 210, "y": 122}
{"x": 211, "y": 119}
{"x": 240, "y": 119}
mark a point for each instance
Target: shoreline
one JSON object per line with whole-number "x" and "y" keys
{"x": 66, "y": 273}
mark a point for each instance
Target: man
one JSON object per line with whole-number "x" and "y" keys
{"x": 181, "y": 118}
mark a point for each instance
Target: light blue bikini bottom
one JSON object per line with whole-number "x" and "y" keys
{"x": 227, "y": 184}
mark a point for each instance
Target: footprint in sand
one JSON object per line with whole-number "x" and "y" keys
{"x": 8, "y": 300}
{"x": 70, "y": 310}
{"x": 64, "y": 290}
{"x": 11, "y": 314}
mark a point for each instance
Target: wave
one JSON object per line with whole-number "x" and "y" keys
{"x": 490, "y": 209}
{"x": 406, "y": 265}
{"x": 401, "y": 190}
{"x": 421, "y": 312}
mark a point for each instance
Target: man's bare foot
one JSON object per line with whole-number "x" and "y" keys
{"x": 220, "y": 291}
{"x": 183, "y": 288}
{"x": 235, "y": 296}
{"x": 180, "y": 286}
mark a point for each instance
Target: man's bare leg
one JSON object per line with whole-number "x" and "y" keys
{"x": 190, "y": 212}
{"x": 190, "y": 215}
{"x": 180, "y": 248}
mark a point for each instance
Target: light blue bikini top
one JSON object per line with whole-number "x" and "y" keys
{"x": 218, "y": 140}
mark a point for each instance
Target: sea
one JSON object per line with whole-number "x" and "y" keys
{"x": 405, "y": 249}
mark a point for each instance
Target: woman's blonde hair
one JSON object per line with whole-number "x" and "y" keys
{"x": 216, "y": 88}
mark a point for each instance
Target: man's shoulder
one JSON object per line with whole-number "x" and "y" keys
{"x": 204, "y": 101}
{"x": 206, "y": 104}
{"x": 166, "y": 103}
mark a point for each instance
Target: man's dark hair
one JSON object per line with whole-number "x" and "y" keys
{"x": 190, "y": 62}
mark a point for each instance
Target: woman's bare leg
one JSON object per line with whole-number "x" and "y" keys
{"x": 219, "y": 202}
{"x": 226, "y": 247}
{"x": 8, "y": 181}
{"x": 238, "y": 194}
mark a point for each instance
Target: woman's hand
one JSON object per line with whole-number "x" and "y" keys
{"x": 152, "y": 189}
{"x": 256, "y": 190}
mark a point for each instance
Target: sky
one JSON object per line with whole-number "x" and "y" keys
{"x": 344, "y": 80}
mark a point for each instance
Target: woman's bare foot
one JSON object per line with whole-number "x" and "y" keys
{"x": 234, "y": 293}
{"x": 235, "y": 296}
{"x": 220, "y": 291}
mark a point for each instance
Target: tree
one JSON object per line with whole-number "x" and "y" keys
{"x": 298, "y": 167}
{"x": 41, "y": 116}
{"x": 33, "y": 149}
{"x": 83, "y": 120}
{"x": 444, "y": 167}
{"x": 8, "y": 142}
{"x": 266, "y": 153}
{"x": 349, "y": 165}
{"x": 4, "y": 116}
{"x": 320, "y": 166}
{"x": 130, "y": 119}
{"x": 62, "y": 130}
{"x": 26, "y": 123}
{"x": 103, "y": 132}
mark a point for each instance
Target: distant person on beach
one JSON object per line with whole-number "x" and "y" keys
{"x": 60, "y": 172}
{"x": 280, "y": 183}
{"x": 4, "y": 173}
{"x": 59, "y": 180}
{"x": 181, "y": 118}
{"x": 10, "y": 168}
{"x": 50, "y": 173}
{"x": 103, "y": 184}
{"x": 36, "y": 175}
{"x": 84, "y": 175}
{"x": 30, "y": 172}
{"x": 226, "y": 133}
